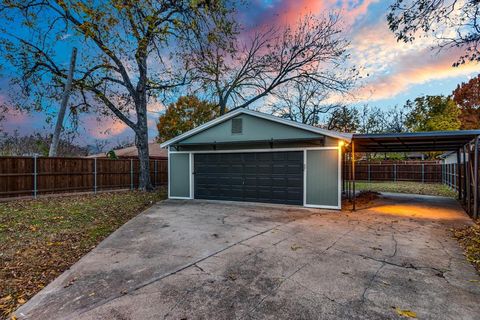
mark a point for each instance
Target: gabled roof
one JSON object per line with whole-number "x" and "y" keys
{"x": 236, "y": 112}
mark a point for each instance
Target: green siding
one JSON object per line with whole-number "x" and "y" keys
{"x": 322, "y": 178}
{"x": 254, "y": 129}
{"x": 179, "y": 175}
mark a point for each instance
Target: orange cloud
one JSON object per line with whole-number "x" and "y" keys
{"x": 104, "y": 129}
{"x": 414, "y": 69}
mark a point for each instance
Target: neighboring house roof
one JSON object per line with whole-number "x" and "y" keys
{"x": 153, "y": 148}
{"x": 447, "y": 154}
{"x": 236, "y": 112}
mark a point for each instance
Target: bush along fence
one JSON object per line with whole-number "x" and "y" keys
{"x": 33, "y": 176}
{"x": 415, "y": 171}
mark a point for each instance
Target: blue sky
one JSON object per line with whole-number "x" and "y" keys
{"x": 397, "y": 71}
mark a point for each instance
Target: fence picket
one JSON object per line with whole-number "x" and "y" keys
{"x": 33, "y": 176}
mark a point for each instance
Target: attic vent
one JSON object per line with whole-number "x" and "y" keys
{"x": 237, "y": 127}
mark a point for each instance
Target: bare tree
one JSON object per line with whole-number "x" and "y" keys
{"x": 302, "y": 101}
{"x": 344, "y": 119}
{"x": 128, "y": 57}
{"x": 237, "y": 73}
{"x": 456, "y": 24}
{"x": 63, "y": 106}
{"x": 371, "y": 120}
{"x": 396, "y": 119}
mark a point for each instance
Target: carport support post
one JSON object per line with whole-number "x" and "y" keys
{"x": 475, "y": 180}
{"x": 459, "y": 175}
{"x": 353, "y": 175}
{"x": 464, "y": 195}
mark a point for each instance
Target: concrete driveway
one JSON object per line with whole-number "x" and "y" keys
{"x": 212, "y": 260}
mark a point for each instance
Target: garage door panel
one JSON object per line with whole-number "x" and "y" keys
{"x": 264, "y": 168}
{"x": 274, "y": 177}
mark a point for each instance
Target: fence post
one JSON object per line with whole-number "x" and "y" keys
{"x": 35, "y": 176}
{"x": 155, "y": 164}
{"x": 95, "y": 175}
{"x": 394, "y": 172}
{"x": 444, "y": 173}
{"x": 423, "y": 173}
{"x": 131, "y": 174}
{"x": 368, "y": 171}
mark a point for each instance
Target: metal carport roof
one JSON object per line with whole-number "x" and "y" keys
{"x": 463, "y": 142}
{"x": 414, "y": 141}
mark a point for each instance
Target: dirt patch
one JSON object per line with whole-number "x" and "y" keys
{"x": 469, "y": 238}
{"x": 362, "y": 200}
{"x": 40, "y": 239}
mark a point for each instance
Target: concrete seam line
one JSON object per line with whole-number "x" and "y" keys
{"x": 140, "y": 286}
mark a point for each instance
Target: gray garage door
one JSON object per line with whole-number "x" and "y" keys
{"x": 273, "y": 177}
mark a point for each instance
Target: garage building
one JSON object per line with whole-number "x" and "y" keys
{"x": 247, "y": 155}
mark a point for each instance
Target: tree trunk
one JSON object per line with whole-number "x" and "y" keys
{"x": 141, "y": 141}
{"x": 63, "y": 106}
{"x": 223, "y": 106}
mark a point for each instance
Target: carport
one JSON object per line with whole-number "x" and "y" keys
{"x": 464, "y": 142}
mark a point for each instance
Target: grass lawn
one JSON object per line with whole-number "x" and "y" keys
{"x": 433, "y": 189}
{"x": 39, "y": 239}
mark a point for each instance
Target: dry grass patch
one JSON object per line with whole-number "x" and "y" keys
{"x": 469, "y": 238}
{"x": 39, "y": 239}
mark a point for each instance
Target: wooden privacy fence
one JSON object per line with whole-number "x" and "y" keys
{"x": 31, "y": 176}
{"x": 415, "y": 171}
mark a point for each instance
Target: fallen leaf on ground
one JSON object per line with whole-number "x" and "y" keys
{"x": 295, "y": 247}
{"x": 405, "y": 313}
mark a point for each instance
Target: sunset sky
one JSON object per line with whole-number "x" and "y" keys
{"x": 397, "y": 71}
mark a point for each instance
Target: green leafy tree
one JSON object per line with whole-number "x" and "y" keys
{"x": 432, "y": 113}
{"x": 185, "y": 114}
{"x": 467, "y": 96}
{"x": 130, "y": 54}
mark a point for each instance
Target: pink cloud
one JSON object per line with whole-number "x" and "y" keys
{"x": 106, "y": 128}
{"x": 287, "y": 12}
{"x": 414, "y": 69}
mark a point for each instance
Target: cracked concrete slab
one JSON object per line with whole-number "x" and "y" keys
{"x": 223, "y": 260}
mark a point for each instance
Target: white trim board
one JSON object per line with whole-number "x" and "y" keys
{"x": 229, "y": 115}
{"x": 257, "y": 150}
{"x": 192, "y": 176}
